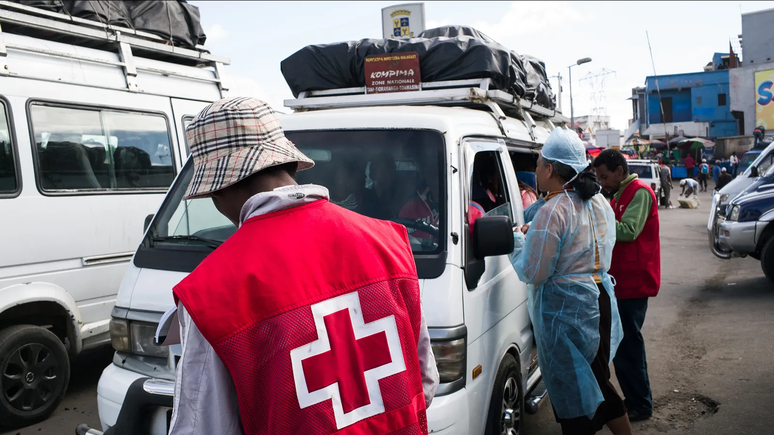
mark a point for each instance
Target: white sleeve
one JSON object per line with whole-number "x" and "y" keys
{"x": 205, "y": 399}
{"x": 427, "y": 367}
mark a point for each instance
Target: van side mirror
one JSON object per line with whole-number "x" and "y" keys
{"x": 753, "y": 172}
{"x": 492, "y": 236}
{"x": 148, "y": 220}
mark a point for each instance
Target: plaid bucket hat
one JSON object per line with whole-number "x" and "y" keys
{"x": 232, "y": 139}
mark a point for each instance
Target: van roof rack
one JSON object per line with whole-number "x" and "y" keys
{"x": 475, "y": 92}
{"x": 39, "y": 23}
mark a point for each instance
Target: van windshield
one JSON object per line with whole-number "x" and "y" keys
{"x": 392, "y": 175}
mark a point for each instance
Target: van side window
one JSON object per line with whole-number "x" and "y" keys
{"x": 100, "y": 150}
{"x": 9, "y": 182}
{"x": 488, "y": 189}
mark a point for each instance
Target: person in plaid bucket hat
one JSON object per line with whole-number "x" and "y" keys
{"x": 308, "y": 318}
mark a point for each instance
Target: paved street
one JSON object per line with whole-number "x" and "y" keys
{"x": 709, "y": 333}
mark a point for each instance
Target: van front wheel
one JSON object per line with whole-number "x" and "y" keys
{"x": 507, "y": 404}
{"x": 34, "y": 372}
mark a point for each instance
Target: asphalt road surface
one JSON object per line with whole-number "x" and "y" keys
{"x": 709, "y": 337}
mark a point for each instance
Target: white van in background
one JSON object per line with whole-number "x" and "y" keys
{"x": 474, "y": 302}
{"x": 91, "y": 137}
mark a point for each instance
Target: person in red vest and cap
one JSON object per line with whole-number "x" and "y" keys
{"x": 308, "y": 319}
{"x": 636, "y": 267}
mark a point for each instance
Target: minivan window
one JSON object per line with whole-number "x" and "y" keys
{"x": 82, "y": 149}
{"x": 642, "y": 171}
{"x": 393, "y": 175}
{"x": 9, "y": 182}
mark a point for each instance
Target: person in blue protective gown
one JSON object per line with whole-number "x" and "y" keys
{"x": 565, "y": 252}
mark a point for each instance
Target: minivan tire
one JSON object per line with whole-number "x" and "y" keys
{"x": 34, "y": 373}
{"x": 767, "y": 259}
{"x": 507, "y": 397}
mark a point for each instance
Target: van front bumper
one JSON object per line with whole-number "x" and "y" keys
{"x": 130, "y": 403}
{"x": 126, "y": 398}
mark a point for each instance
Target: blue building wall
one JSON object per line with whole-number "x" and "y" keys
{"x": 696, "y": 97}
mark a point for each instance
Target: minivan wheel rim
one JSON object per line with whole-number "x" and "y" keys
{"x": 30, "y": 378}
{"x": 511, "y": 409}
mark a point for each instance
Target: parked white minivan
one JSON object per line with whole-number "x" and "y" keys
{"x": 455, "y": 141}
{"x": 91, "y": 122}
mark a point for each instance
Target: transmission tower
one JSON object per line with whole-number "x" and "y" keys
{"x": 597, "y": 81}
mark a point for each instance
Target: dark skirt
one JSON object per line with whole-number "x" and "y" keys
{"x": 613, "y": 407}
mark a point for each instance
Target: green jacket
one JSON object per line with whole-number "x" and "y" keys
{"x": 633, "y": 220}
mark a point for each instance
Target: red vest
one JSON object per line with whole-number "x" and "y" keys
{"x": 636, "y": 265}
{"x": 315, "y": 311}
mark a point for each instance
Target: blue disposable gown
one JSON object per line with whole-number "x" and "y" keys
{"x": 557, "y": 258}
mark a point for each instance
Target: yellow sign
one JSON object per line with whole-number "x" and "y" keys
{"x": 764, "y": 99}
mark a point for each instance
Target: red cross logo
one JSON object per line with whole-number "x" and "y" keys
{"x": 347, "y": 360}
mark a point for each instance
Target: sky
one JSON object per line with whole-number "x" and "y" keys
{"x": 257, "y": 36}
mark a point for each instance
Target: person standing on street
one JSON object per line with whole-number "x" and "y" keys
{"x": 723, "y": 179}
{"x": 284, "y": 328}
{"x": 716, "y": 172}
{"x": 689, "y": 165}
{"x": 636, "y": 267}
{"x": 565, "y": 255}
{"x": 704, "y": 171}
{"x": 666, "y": 183}
{"x": 734, "y": 160}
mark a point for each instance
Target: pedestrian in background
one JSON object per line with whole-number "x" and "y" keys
{"x": 723, "y": 179}
{"x": 734, "y": 160}
{"x": 689, "y": 165}
{"x": 666, "y": 183}
{"x": 716, "y": 173}
{"x": 636, "y": 267}
{"x": 704, "y": 171}
{"x": 565, "y": 255}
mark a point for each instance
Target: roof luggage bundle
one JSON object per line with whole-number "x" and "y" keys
{"x": 176, "y": 21}
{"x": 445, "y": 54}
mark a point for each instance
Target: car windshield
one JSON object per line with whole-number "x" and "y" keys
{"x": 764, "y": 164}
{"x": 642, "y": 171}
{"x": 385, "y": 174}
{"x": 748, "y": 159}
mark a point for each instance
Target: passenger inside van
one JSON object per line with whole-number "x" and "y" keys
{"x": 486, "y": 190}
{"x": 380, "y": 202}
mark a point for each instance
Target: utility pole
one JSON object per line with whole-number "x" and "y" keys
{"x": 572, "y": 110}
{"x": 558, "y": 76}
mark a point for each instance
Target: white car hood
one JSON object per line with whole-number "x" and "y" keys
{"x": 152, "y": 291}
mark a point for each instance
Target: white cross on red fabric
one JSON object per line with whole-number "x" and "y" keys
{"x": 347, "y": 360}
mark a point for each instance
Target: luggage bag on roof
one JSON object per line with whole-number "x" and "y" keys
{"x": 114, "y": 13}
{"x": 449, "y": 53}
{"x": 177, "y": 21}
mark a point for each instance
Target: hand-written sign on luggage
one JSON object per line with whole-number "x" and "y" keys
{"x": 398, "y": 72}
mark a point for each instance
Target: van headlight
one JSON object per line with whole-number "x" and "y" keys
{"x": 723, "y": 198}
{"x": 450, "y": 359}
{"x": 734, "y": 215}
{"x": 135, "y": 337}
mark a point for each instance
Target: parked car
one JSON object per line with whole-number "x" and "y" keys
{"x": 649, "y": 172}
{"x": 760, "y": 167}
{"x": 475, "y": 304}
{"x": 749, "y": 227}
{"x": 90, "y": 141}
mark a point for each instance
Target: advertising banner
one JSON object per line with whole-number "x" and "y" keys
{"x": 764, "y": 93}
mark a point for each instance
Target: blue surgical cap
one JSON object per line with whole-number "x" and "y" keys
{"x": 564, "y": 146}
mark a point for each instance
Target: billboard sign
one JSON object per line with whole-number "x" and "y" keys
{"x": 403, "y": 21}
{"x": 764, "y": 96}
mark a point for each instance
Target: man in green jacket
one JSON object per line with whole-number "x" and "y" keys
{"x": 636, "y": 267}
